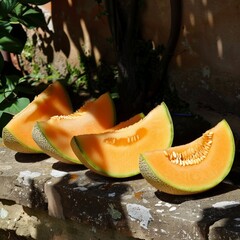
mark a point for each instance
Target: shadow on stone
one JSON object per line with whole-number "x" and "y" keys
{"x": 93, "y": 204}
{"x": 30, "y": 158}
{"x": 234, "y": 178}
{"x": 217, "y": 222}
{"x": 11, "y": 235}
{"x": 68, "y": 167}
{"x": 178, "y": 199}
{"x": 96, "y": 177}
{"x": 36, "y": 197}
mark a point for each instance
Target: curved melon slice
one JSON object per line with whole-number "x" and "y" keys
{"x": 54, "y": 136}
{"x": 194, "y": 167}
{"x": 17, "y": 134}
{"x": 116, "y": 153}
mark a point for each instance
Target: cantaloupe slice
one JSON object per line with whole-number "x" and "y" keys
{"x": 116, "y": 153}
{"x": 194, "y": 167}
{"x": 54, "y": 136}
{"x": 17, "y": 134}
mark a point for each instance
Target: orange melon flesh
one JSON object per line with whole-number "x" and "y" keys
{"x": 17, "y": 134}
{"x": 172, "y": 178}
{"x": 54, "y": 136}
{"x": 115, "y": 153}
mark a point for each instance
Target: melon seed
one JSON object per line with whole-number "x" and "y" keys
{"x": 70, "y": 116}
{"x": 140, "y": 133}
{"x": 193, "y": 155}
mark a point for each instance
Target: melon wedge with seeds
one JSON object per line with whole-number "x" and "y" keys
{"x": 116, "y": 153}
{"x": 54, "y": 136}
{"x": 17, "y": 134}
{"x": 194, "y": 167}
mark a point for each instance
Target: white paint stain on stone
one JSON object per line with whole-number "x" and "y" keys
{"x": 172, "y": 209}
{"x": 139, "y": 213}
{"x": 168, "y": 205}
{"x": 26, "y": 177}
{"x": 145, "y": 200}
{"x": 81, "y": 188}
{"x": 3, "y": 213}
{"x": 226, "y": 204}
{"x": 163, "y": 231}
{"x": 158, "y": 204}
{"x": 127, "y": 197}
{"x": 56, "y": 173}
{"x": 5, "y": 167}
{"x": 112, "y": 194}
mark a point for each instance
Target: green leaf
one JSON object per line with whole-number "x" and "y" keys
{"x": 11, "y": 81}
{"x": 5, "y": 26}
{"x": 6, "y": 6}
{"x": 28, "y": 16}
{"x": 10, "y": 43}
{"x": 4, "y": 97}
{"x": 8, "y": 88}
{"x": 16, "y": 106}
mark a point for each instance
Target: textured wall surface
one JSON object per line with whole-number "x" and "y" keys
{"x": 204, "y": 71}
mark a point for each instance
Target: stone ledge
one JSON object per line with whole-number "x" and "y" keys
{"x": 123, "y": 209}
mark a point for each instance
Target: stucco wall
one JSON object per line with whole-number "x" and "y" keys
{"x": 204, "y": 70}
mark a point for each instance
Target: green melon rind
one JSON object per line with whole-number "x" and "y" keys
{"x": 156, "y": 181}
{"x": 48, "y": 148}
{"x": 165, "y": 185}
{"x": 170, "y": 121}
{"x": 78, "y": 150}
{"x": 83, "y": 157}
{"x": 42, "y": 141}
{"x": 11, "y": 142}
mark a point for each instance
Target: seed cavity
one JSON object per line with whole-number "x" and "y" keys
{"x": 70, "y": 116}
{"x": 193, "y": 155}
{"x": 140, "y": 133}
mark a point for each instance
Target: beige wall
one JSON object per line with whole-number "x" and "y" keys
{"x": 77, "y": 25}
{"x": 205, "y": 70}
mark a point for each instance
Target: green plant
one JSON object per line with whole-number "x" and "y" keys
{"x": 15, "y": 17}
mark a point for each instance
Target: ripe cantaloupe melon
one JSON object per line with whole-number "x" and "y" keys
{"x": 194, "y": 167}
{"x": 17, "y": 134}
{"x": 116, "y": 153}
{"x": 54, "y": 136}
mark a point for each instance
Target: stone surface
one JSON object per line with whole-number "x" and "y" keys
{"x": 45, "y": 199}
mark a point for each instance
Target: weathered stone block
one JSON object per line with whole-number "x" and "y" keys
{"x": 55, "y": 199}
